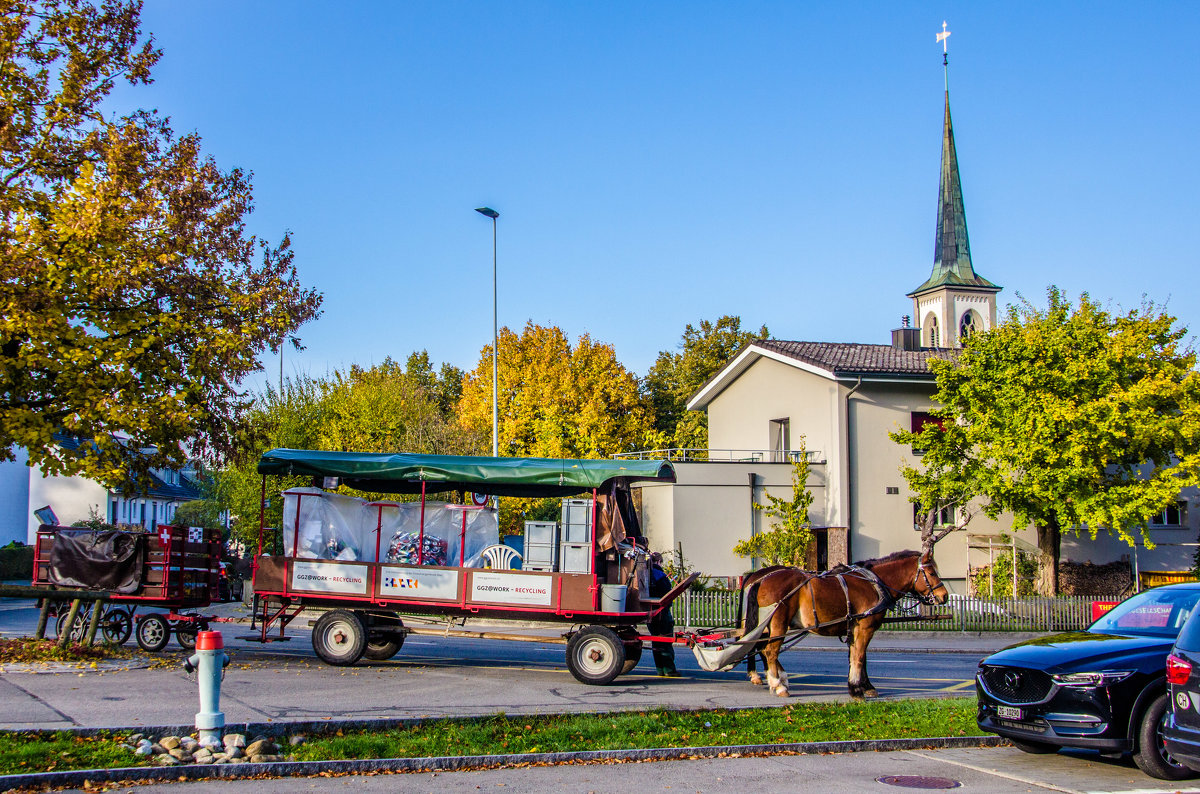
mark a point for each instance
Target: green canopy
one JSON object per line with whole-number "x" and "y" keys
{"x": 406, "y": 473}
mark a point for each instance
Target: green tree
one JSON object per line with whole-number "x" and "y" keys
{"x": 381, "y": 409}
{"x": 788, "y": 542}
{"x": 1072, "y": 418}
{"x": 199, "y": 513}
{"x": 133, "y": 300}
{"x": 445, "y": 384}
{"x": 677, "y": 376}
{"x": 556, "y": 400}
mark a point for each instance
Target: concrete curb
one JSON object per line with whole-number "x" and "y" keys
{"x": 459, "y": 763}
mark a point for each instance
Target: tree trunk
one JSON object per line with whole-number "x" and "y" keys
{"x": 1048, "y": 540}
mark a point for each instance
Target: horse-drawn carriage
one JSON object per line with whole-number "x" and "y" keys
{"x": 175, "y": 569}
{"x": 372, "y": 564}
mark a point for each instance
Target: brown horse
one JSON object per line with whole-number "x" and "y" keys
{"x": 847, "y": 601}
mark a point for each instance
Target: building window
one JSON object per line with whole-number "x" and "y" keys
{"x": 945, "y": 517}
{"x": 935, "y": 337}
{"x": 920, "y": 420}
{"x": 1171, "y": 517}
{"x": 780, "y": 439}
{"x": 968, "y": 326}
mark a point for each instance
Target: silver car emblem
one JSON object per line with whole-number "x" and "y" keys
{"x": 1012, "y": 679}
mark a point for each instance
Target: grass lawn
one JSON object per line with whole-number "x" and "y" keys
{"x": 803, "y": 722}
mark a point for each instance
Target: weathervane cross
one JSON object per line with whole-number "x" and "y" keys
{"x": 945, "y": 34}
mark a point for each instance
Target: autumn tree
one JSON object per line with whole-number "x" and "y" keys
{"x": 377, "y": 409}
{"x": 134, "y": 301}
{"x": 445, "y": 384}
{"x": 1073, "y": 419}
{"x": 789, "y": 540}
{"x": 555, "y": 400}
{"x": 677, "y": 376}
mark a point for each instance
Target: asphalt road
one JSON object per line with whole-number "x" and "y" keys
{"x": 1001, "y": 770}
{"x": 431, "y": 677}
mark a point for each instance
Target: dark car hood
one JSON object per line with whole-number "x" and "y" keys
{"x": 1081, "y": 650}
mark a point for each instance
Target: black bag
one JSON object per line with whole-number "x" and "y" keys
{"x": 92, "y": 560}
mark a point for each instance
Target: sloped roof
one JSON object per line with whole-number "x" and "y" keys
{"x": 833, "y": 360}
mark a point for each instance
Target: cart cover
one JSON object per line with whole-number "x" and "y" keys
{"x": 331, "y": 526}
{"x": 414, "y": 474}
{"x": 92, "y": 560}
{"x": 724, "y": 655}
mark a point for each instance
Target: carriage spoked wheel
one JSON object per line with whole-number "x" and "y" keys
{"x": 153, "y": 633}
{"x": 78, "y": 627}
{"x": 340, "y": 637}
{"x": 595, "y": 655}
{"x": 116, "y": 624}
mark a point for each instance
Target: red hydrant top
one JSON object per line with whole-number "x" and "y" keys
{"x": 209, "y": 641}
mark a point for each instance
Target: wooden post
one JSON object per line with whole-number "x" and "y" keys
{"x": 94, "y": 623}
{"x": 73, "y": 613}
{"x": 43, "y": 617}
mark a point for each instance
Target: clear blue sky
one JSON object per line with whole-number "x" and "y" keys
{"x": 659, "y": 163}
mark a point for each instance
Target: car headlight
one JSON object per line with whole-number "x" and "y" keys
{"x": 1102, "y": 678}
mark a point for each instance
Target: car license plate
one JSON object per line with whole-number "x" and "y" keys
{"x": 1008, "y": 712}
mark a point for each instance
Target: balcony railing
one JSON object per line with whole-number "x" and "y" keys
{"x": 683, "y": 455}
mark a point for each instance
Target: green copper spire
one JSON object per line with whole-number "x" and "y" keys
{"x": 952, "y": 249}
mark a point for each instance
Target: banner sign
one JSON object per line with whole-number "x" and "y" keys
{"x": 329, "y": 577}
{"x": 511, "y": 588}
{"x": 417, "y": 583}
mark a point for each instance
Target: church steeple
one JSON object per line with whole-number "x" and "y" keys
{"x": 952, "y": 247}
{"x": 954, "y": 301}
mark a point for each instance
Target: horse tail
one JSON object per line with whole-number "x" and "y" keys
{"x": 748, "y": 608}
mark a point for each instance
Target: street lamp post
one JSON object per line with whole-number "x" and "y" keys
{"x": 491, "y": 213}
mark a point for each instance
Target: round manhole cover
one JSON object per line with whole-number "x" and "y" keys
{"x": 917, "y": 781}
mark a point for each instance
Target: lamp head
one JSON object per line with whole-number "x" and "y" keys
{"x": 488, "y": 211}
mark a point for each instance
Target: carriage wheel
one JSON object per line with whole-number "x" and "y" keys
{"x": 153, "y": 633}
{"x": 116, "y": 625}
{"x": 380, "y": 649}
{"x": 185, "y": 635}
{"x": 595, "y": 655}
{"x": 78, "y": 628}
{"x": 339, "y": 638}
{"x": 633, "y": 655}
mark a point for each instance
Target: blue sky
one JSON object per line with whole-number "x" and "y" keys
{"x": 660, "y": 163}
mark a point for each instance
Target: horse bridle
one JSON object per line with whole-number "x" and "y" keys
{"x": 930, "y": 594}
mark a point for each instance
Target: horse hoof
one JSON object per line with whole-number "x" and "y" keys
{"x": 782, "y": 692}
{"x": 870, "y": 693}
{"x": 756, "y": 680}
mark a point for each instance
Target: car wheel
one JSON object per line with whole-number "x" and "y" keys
{"x": 1036, "y": 748}
{"x": 1151, "y": 756}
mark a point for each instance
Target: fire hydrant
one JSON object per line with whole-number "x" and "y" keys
{"x": 210, "y": 661}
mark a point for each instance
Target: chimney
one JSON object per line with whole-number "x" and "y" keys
{"x": 905, "y": 338}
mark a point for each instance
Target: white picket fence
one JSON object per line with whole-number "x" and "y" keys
{"x": 719, "y": 608}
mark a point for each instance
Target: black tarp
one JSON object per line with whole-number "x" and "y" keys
{"x": 94, "y": 560}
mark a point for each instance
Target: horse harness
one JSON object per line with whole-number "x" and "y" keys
{"x": 886, "y": 596}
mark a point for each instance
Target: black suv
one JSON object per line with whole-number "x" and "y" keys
{"x": 1103, "y": 688}
{"x": 1182, "y": 728}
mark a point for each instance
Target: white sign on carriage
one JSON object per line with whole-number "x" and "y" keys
{"x": 417, "y": 583}
{"x": 329, "y": 577}
{"x": 511, "y": 588}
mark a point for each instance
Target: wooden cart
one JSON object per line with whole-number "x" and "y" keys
{"x": 180, "y": 572}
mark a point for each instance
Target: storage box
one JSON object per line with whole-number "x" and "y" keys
{"x": 576, "y": 521}
{"x": 541, "y": 544}
{"x": 575, "y": 558}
